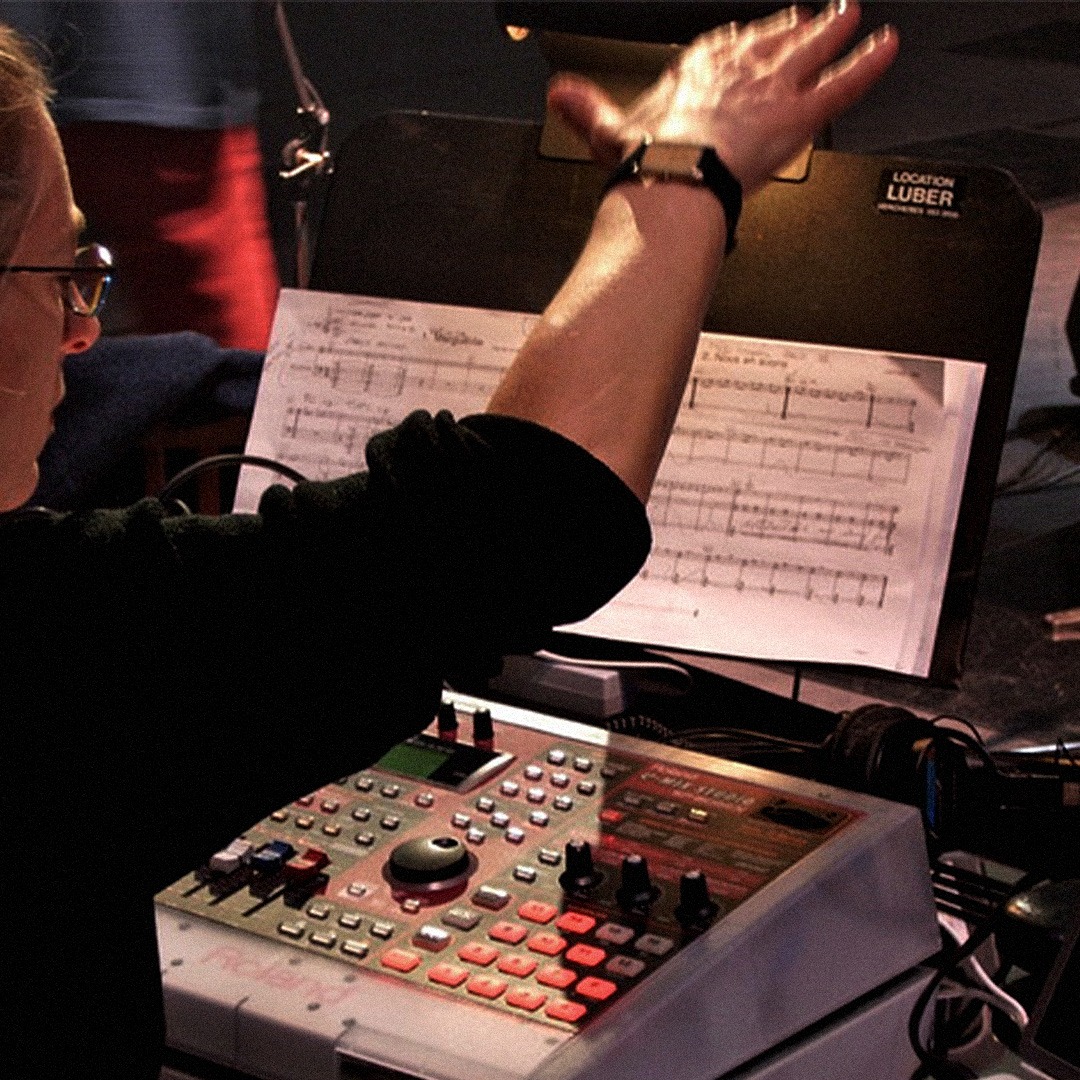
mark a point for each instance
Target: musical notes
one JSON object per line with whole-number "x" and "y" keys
{"x": 804, "y": 510}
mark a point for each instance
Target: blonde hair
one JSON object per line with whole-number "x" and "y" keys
{"x": 23, "y": 87}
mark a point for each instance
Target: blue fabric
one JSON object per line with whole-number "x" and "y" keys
{"x": 179, "y": 65}
{"x": 119, "y": 389}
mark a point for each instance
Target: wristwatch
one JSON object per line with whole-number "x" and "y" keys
{"x": 688, "y": 163}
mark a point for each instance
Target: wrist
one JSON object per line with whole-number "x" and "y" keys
{"x": 686, "y": 163}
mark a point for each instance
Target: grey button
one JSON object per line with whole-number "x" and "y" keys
{"x": 390, "y": 791}
{"x": 538, "y": 818}
{"x": 319, "y": 910}
{"x": 461, "y": 821}
{"x": 626, "y": 966}
{"x": 359, "y": 949}
{"x": 487, "y": 896}
{"x": 305, "y": 821}
{"x": 278, "y": 815}
{"x": 563, "y": 802}
{"x": 432, "y": 938}
{"x": 586, "y": 787}
{"x": 525, "y": 873}
{"x": 485, "y": 804}
{"x": 330, "y": 806}
{"x": 357, "y": 888}
{"x": 614, "y": 933}
{"x": 609, "y": 772}
{"x": 476, "y": 836}
{"x": 292, "y": 929}
{"x": 424, "y": 799}
{"x": 331, "y": 828}
{"x": 382, "y": 929}
{"x": 362, "y": 813}
{"x": 654, "y": 944}
{"x": 665, "y": 807}
{"x": 364, "y": 839}
{"x": 411, "y": 905}
{"x": 461, "y": 918}
{"x": 632, "y": 798}
{"x": 363, "y": 783}
{"x": 549, "y": 856}
{"x": 349, "y": 920}
{"x": 390, "y": 822}
{"x": 582, "y": 764}
{"x": 324, "y": 938}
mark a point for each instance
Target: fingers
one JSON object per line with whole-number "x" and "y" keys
{"x": 818, "y": 42}
{"x": 842, "y": 84}
{"x": 591, "y": 115}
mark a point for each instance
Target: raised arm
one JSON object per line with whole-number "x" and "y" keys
{"x": 607, "y": 363}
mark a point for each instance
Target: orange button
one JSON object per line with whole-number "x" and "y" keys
{"x": 399, "y": 960}
{"x": 538, "y": 912}
{"x": 573, "y": 922}
{"x": 486, "y": 986}
{"x": 511, "y": 932}
{"x": 530, "y": 1000}
{"x": 476, "y": 952}
{"x": 565, "y": 1010}
{"x": 447, "y": 974}
{"x": 586, "y": 955}
{"x": 558, "y": 977}
{"x": 548, "y": 944}
{"x": 596, "y": 989}
{"x": 521, "y": 966}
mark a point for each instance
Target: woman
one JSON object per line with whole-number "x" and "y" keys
{"x": 166, "y": 681}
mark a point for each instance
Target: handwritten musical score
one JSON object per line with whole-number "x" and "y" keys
{"x": 804, "y": 510}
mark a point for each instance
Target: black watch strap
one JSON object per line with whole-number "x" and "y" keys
{"x": 703, "y": 167}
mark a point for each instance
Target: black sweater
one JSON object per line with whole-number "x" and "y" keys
{"x": 167, "y": 681}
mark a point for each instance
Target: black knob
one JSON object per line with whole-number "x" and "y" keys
{"x": 636, "y": 889}
{"x": 580, "y": 873}
{"x": 428, "y": 860}
{"x": 483, "y": 730}
{"x": 447, "y": 722}
{"x": 694, "y": 903}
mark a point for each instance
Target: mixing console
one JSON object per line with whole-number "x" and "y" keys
{"x": 544, "y": 882}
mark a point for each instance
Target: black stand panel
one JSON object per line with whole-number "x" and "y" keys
{"x": 461, "y": 210}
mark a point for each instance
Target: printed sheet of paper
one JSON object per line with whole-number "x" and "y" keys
{"x": 804, "y": 510}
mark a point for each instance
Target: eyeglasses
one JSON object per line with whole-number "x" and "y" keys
{"x": 85, "y": 283}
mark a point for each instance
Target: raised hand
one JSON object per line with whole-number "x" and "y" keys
{"x": 756, "y": 93}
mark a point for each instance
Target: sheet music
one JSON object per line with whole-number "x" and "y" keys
{"x": 804, "y": 510}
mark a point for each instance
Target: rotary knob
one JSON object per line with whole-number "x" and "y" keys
{"x": 636, "y": 889}
{"x": 429, "y": 864}
{"x": 580, "y": 873}
{"x": 695, "y": 906}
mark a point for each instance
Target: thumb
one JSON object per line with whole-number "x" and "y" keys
{"x": 591, "y": 114}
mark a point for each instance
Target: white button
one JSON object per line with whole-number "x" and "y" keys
{"x": 538, "y": 817}
{"x": 534, "y": 772}
{"x": 500, "y": 820}
{"x": 556, "y": 757}
{"x": 536, "y": 794}
{"x": 560, "y": 779}
{"x": 509, "y": 788}
{"x": 515, "y": 835}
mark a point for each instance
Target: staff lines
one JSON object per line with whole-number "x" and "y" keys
{"x": 740, "y": 510}
{"x": 817, "y": 584}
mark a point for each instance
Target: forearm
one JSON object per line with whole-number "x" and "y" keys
{"x": 608, "y": 361}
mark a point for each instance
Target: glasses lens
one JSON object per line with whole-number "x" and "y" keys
{"x": 90, "y": 280}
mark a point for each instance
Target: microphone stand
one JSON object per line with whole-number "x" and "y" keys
{"x": 302, "y": 165}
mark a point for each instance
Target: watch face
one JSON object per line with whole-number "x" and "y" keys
{"x": 672, "y": 159}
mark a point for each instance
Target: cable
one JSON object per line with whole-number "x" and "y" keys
{"x": 218, "y": 461}
{"x": 933, "y": 1060}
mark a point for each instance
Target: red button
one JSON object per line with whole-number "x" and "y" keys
{"x": 548, "y": 944}
{"x": 476, "y": 952}
{"x": 530, "y": 1000}
{"x": 399, "y": 960}
{"x": 521, "y": 966}
{"x": 586, "y": 955}
{"x": 611, "y": 817}
{"x": 565, "y": 1010}
{"x": 537, "y": 912}
{"x": 596, "y": 989}
{"x": 447, "y": 974}
{"x": 573, "y": 922}
{"x": 307, "y": 865}
{"x": 486, "y": 986}
{"x": 558, "y": 977}
{"x": 511, "y": 932}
